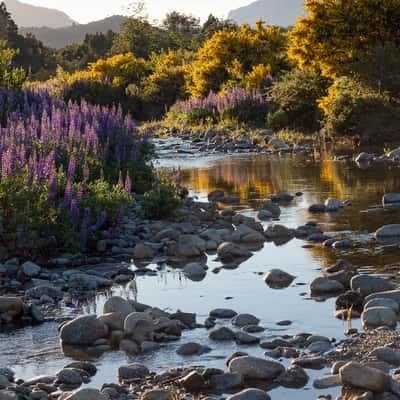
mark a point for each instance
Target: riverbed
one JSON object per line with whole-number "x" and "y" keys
{"x": 254, "y": 177}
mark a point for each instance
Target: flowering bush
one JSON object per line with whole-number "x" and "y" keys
{"x": 235, "y": 105}
{"x": 67, "y": 169}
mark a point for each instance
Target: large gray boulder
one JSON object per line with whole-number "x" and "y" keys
{"x": 391, "y": 200}
{"x": 256, "y": 368}
{"x": 391, "y": 294}
{"x": 359, "y": 376}
{"x": 195, "y": 271}
{"x": 117, "y": 304}
{"x": 325, "y": 286}
{"x": 31, "y": 269}
{"x": 375, "y": 317}
{"x": 278, "y": 279}
{"x": 190, "y": 246}
{"x": 83, "y": 331}
{"x": 368, "y": 284}
{"x": 388, "y": 232}
{"x": 87, "y": 394}
{"x": 45, "y": 290}
{"x": 250, "y": 394}
{"x": 133, "y": 371}
{"x": 231, "y": 252}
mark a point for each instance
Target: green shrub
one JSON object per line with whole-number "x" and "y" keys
{"x": 160, "y": 201}
{"x": 352, "y": 109}
{"x": 296, "y": 94}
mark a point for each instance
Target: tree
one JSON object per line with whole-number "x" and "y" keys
{"x": 343, "y": 37}
{"x": 9, "y": 77}
{"x": 229, "y": 57}
{"x": 213, "y": 25}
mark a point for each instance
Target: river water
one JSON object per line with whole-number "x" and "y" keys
{"x": 32, "y": 351}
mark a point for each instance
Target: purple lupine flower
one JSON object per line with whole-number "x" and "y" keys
{"x": 71, "y": 168}
{"x": 67, "y": 196}
{"x": 120, "y": 180}
{"x": 128, "y": 184}
{"x": 79, "y": 193}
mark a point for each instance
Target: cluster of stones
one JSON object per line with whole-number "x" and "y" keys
{"x": 126, "y": 325}
{"x": 226, "y": 140}
{"x": 13, "y": 310}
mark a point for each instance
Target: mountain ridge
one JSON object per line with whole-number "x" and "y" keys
{"x": 275, "y": 12}
{"x": 61, "y": 37}
{"x": 26, "y": 15}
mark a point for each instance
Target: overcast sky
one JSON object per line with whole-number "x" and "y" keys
{"x": 89, "y": 10}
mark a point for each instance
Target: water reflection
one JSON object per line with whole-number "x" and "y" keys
{"x": 256, "y": 177}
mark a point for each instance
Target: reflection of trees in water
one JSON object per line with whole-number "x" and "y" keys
{"x": 256, "y": 177}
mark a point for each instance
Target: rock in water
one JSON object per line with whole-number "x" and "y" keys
{"x": 256, "y": 368}
{"x": 278, "y": 279}
{"x": 375, "y": 317}
{"x": 83, "y": 331}
{"x": 388, "y": 231}
{"x": 359, "y": 376}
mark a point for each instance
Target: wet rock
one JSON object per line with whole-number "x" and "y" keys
{"x": 350, "y": 299}
{"x": 143, "y": 252}
{"x": 332, "y": 205}
{"x": 379, "y": 316}
{"x": 245, "y": 338}
{"x": 294, "y": 378}
{"x": 129, "y": 346}
{"x": 317, "y": 208}
{"x": 187, "y": 319}
{"x": 278, "y": 279}
{"x": 69, "y": 376}
{"x": 250, "y": 394}
{"x": 117, "y": 304}
{"x": 256, "y": 368}
{"x": 8, "y": 373}
{"x": 278, "y": 232}
{"x": 190, "y": 349}
{"x": 273, "y": 344}
{"x": 245, "y": 319}
{"x": 157, "y": 394}
{"x": 315, "y": 363}
{"x": 81, "y": 281}
{"x": 11, "y": 306}
{"x": 86, "y": 394}
{"x": 342, "y": 244}
{"x": 132, "y": 371}
{"x": 84, "y": 330}
{"x": 193, "y": 382}
{"x": 319, "y": 347}
{"x": 230, "y": 200}
{"x": 31, "y": 269}
{"x": 282, "y": 198}
{"x": 216, "y": 195}
{"x": 223, "y": 313}
{"x": 388, "y": 231}
{"x": 277, "y": 144}
{"x": 368, "y": 284}
{"x": 4, "y": 382}
{"x": 253, "y": 329}
{"x": 229, "y": 252}
{"x": 226, "y": 381}
{"x": 36, "y": 314}
{"x": 391, "y": 199}
{"x": 364, "y": 158}
{"x": 358, "y": 376}
{"x": 391, "y": 294}
{"x": 383, "y": 303}
{"x": 325, "y": 286}
{"x": 272, "y": 208}
{"x": 115, "y": 321}
{"x": 386, "y": 354}
{"x": 189, "y": 246}
{"x": 264, "y": 215}
{"x": 45, "y": 290}
{"x": 8, "y": 395}
{"x": 88, "y": 367}
{"x": 327, "y": 382}
{"x": 195, "y": 271}
{"x": 222, "y": 334}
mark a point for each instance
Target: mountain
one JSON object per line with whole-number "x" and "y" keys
{"x": 274, "y": 12}
{"x": 61, "y": 37}
{"x": 29, "y": 15}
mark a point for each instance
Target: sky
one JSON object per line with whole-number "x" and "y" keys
{"x": 84, "y": 11}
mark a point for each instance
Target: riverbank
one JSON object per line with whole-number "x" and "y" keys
{"x": 227, "y": 285}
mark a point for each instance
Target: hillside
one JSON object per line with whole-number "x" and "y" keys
{"x": 60, "y": 37}
{"x": 275, "y": 12}
{"x": 28, "y": 15}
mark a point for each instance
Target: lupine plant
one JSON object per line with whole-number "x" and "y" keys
{"x": 67, "y": 170}
{"x": 235, "y": 105}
